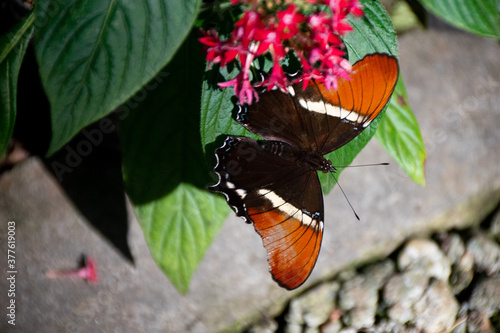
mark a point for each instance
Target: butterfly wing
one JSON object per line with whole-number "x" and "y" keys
{"x": 323, "y": 120}
{"x": 265, "y": 186}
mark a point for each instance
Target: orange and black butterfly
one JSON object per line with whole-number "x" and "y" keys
{"x": 273, "y": 183}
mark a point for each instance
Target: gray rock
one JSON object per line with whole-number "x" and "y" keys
{"x": 453, "y": 246}
{"x": 401, "y": 292}
{"x": 406, "y": 287}
{"x": 359, "y": 297}
{"x": 312, "y": 330}
{"x": 293, "y": 328}
{"x": 295, "y": 314}
{"x": 386, "y": 326}
{"x": 486, "y": 296}
{"x": 425, "y": 257}
{"x": 331, "y": 327}
{"x": 495, "y": 226}
{"x": 264, "y": 326}
{"x": 346, "y": 275}
{"x": 360, "y": 317}
{"x": 479, "y": 322}
{"x": 486, "y": 254}
{"x": 437, "y": 309}
{"x": 357, "y": 292}
{"x": 334, "y": 324}
{"x": 380, "y": 272}
{"x": 461, "y": 322}
{"x": 401, "y": 312}
{"x": 314, "y": 307}
{"x": 348, "y": 330}
{"x": 462, "y": 273}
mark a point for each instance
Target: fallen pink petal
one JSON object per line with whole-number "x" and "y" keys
{"x": 87, "y": 272}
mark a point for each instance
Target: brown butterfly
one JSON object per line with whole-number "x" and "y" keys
{"x": 273, "y": 183}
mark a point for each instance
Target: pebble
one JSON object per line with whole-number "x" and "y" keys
{"x": 348, "y": 330}
{"x": 360, "y": 317}
{"x": 424, "y": 256}
{"x": 437, "y": 309}
{"x": 334, "y": 324}
{"x": 386, "y": 326}
{"x": 359, "y": 298}
{"x": 265, "y": 326}
{"x": 486, "y": 253}
{"x": 478, "y": 322}
{"x": 357, "y": 292}
{"x": 495, "y": 226}
{"x": 380, "y": 272}
{"x": 293, "y": 328}
{"x": 412, "y": 295}
{"x": 401, "y": 312}
{"x": 314, "y": 307}
{"x": 405, "y": 287}
{"x": 486, "y": 296}
{"x": 453, "y": 246}
{"x": 401, "y": 292}
{"x": 461, "y": 323}
{"x": 462, "y": 273}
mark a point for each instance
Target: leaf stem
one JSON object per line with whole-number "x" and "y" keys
{"x": 16, "y": 36}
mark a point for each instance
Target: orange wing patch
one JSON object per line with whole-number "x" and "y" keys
{"x": 292, "y": 241}
{"x": 372, "y": 82}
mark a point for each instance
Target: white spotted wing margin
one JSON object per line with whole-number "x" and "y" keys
{"x": 266, "y": 184}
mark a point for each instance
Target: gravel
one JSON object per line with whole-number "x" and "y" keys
{"x": 449, "y": 282}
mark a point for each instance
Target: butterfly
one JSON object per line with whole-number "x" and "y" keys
{"x": 273, "y": 183}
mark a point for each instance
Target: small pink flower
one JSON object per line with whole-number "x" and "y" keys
{"x": 312, "y": 33}
{"x": 277, "y": 78}
{"x": 269, "y": 40}
{"x": 289, "y": 21}
{"x": 87, "y": 272}
{"x": 318, "y": 22}
{"x": 246, "y": 28}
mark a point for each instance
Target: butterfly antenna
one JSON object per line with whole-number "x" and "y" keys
{"x": 360, "y": 165}
{"x": 345, "y": 196}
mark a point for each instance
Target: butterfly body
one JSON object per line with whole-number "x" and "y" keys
{"x": 273, "y": 183}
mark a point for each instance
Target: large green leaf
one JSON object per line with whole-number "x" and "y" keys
{"x": 179, "y": 228}
{"x": 478, "y": 16}
{"x": 94, "y": 55}
{"x": 399, "y": 133}
{"x": 12, "y": 48}
{"x": 164, "y": 167}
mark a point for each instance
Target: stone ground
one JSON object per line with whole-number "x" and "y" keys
{"x": 453, "y": 83}
{"x": 449, "y": 282}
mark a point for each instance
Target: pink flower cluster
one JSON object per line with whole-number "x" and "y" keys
{"x": 276, "y": 27}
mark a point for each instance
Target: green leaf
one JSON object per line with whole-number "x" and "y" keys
{"x": 179, "y": 228}
{"x": 94, "y": 55}
{"x": 372, "y": 33}
{"x": 164, "y": 167}
{"x": 399, "y": 134}
{"x": 478, "y": 16}
{"x": 217, "y": 107}
{"x": 13, "y": 46}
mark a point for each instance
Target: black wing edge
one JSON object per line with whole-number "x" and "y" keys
{"x": 234, "y": 200}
